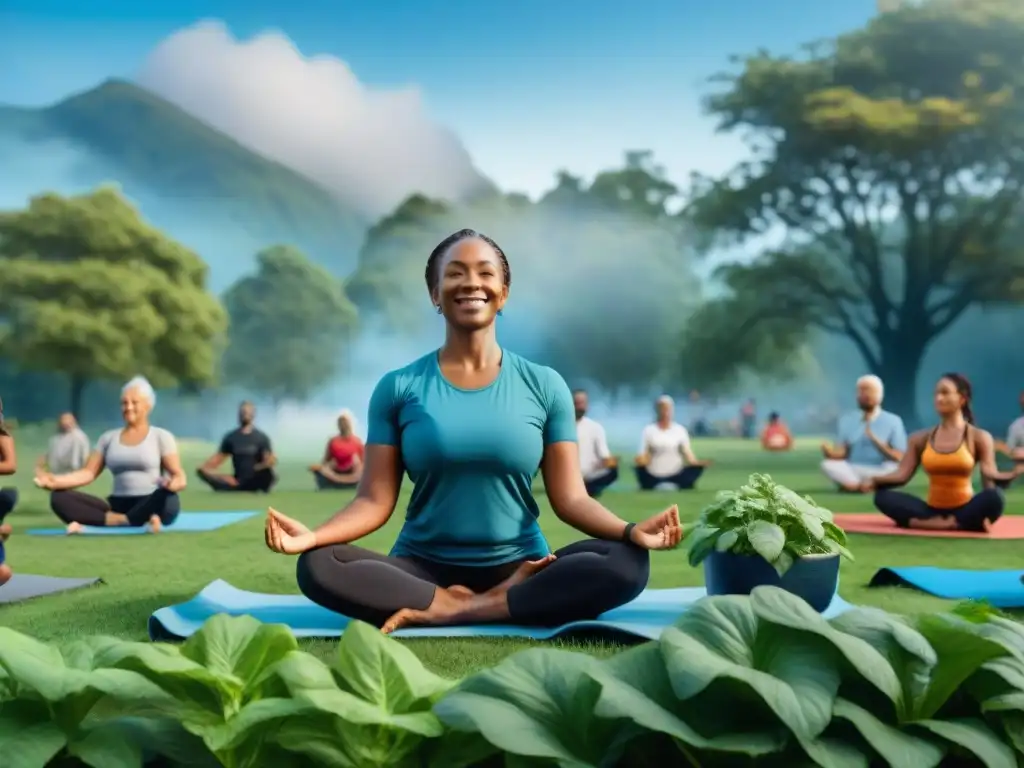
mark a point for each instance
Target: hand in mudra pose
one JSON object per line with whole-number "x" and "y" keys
{"x": 287, "y": 536}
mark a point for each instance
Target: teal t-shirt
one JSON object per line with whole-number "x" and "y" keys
{"x": 471, "y": 455}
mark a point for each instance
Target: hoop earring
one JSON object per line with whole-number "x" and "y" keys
{"x": 439, "y": 309}
{"x": 501, "y": 311}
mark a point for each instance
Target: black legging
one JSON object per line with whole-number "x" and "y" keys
{"x": 8, "y": 500}
{"x": 78, "y": 507}
{"x": 684, "y": 480}
{"x": 261, "y": 482}
{"x": 596, "y": 485}
{"x": 587, "y": 579}
{"x": 326, "y": 484}
{"x": 901, "y": 508}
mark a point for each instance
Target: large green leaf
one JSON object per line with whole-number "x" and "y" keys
{"x": 28, "y": 737}
{"x": 384, "y": 672}
{"x": 975, "y": 737}
{"x": 898, "y": 748}
{"x": 794, "y": 673}
{"x": 767, "y": 539}
{"x": 635, "y": 686}
{"x": 249, "y": 738}
{"x": 539, "y": 703}
{"x": 961, "y": 649}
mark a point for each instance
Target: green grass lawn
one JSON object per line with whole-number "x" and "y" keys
{"x": 147, "y": 572}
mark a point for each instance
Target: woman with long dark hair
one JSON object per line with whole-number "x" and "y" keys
{"x": 948, "y": 453}
{"x": 470, "y": 423}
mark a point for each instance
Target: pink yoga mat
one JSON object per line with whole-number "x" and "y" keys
{"x": 1007, "y": 527}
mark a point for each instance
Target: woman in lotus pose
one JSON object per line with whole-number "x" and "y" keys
{"x": 8, "y": 496}
{"x": 342, "y": 464}
{"x": 470, "y": 423}
{"x": 948, "y": 453}
{"x": 144, "y": 462}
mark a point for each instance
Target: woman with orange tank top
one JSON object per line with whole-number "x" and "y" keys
{"x": 948, "y": 453}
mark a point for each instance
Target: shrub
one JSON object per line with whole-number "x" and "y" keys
{"x": 759, "y": 680}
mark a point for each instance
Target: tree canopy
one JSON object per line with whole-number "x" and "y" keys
{"x": 602, "y": 276}
{"x": 91, "y": 290}
{"x": 886, "y": 168}
{"x": 289, "y": 325}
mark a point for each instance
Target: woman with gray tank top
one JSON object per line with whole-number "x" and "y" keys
{"x": 144, "y": 462}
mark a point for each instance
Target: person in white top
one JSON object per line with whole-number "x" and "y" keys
{"x": 666, "y": 457}
{"x": 600, "y": 469}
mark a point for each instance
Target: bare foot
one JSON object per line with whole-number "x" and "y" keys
{"x": 5, "y": 574}
{"x": 460, "y": 591}
{"x": 5, "y": 531}
{"x": 522, "y": 573}
{"x": 445, "y": 608}
{"x": 73, "y": 528}
{"x": 155, "y": 524}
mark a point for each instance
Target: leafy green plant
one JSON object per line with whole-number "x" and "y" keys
{"x": 766, "y": 519}
{"x": 744, "y": 681}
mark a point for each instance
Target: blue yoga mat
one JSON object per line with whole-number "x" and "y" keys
{"x": 644, "y": 618}
{"x": 187, "y": 522}
{"x": 1000, "y": 588}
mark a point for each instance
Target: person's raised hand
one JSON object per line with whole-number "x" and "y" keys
{"x": 287, "y": 536}
{"x": 661, "y": 531}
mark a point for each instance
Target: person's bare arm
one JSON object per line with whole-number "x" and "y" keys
{"x": 213, "y": 463}
{"x": 375, "y": 499}
{"x": 985, "y": 455}
{"x": 892, "y": 454}
{"x": 8, "y": 456}
{"x": 87, "y": 474}
{"x": 176, "y": 478}
{"x": 563, "y": 481}
{"x": 909, "y": 462}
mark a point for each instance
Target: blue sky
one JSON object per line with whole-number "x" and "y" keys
{"x": 528, "y": 86}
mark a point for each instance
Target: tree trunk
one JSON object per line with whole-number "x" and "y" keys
{"x": 898, "y": 369}
{"x": 77, "y": 393}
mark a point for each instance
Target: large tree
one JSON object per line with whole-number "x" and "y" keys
{"x": 89, "y": 289}
{"x": 289, "y": 325}
{"x": 599, "y": 275}
{"x": 886, "y": 168}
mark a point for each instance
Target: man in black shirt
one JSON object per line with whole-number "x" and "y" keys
{"x": 251, "y": 456}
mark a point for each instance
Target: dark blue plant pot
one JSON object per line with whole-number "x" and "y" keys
{"x": 813, "y": 578}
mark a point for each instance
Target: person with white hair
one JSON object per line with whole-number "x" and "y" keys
{"x": 870, "y": 441}
{"x": 252, "y": 457}
{"x": 666, "y": 459}
{"x": 144, "y": 463}
{"x": 342, "y": 464}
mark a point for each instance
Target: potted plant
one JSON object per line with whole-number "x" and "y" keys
{"x": 765, "y": 533}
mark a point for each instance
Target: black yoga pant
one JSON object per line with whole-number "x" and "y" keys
{"x": 8, "y": 500}
{"x": 326, "y": 484}
{"x": 78, "y": 507}
{"x": 596, "y": 485}
{"x": 684, "y": 480}
{"x": 587, "y": 579}
{"x": 260, "y": 482}
{"x": 902, "y": 508}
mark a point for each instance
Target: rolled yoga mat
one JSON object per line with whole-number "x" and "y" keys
{"x": 187, "y": 522}
{"x": 1006, "y": 527}
{"x": 645, "y": 618}
{"x": 23, "y": 586}
{"x": 1002, "y": 589}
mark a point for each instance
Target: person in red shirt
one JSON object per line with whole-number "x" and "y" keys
{"x": 776, "y": 435}
{"x": 342, "y": 464}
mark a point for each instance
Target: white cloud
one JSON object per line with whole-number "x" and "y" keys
{"x": 371, "y": 148}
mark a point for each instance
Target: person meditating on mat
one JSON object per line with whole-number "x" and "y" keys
{"x": 470, "y": 423}
{"x": 252, "y": 457}
{"x": 666, "y": 457}
{"x": 871, "y": 441}
{"x": 776, "y": 435}
{"x": 144, "y": 462}
{"x": 342, "y": 464}
{"x": 948, "y": 453}
{"x": 68, "y": 449}
{"x": 600, "y": 469}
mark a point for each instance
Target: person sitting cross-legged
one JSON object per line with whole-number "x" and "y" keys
{"x": 469, "y": 423}
{"x": 252, "y": 457}
{"x": 342, "y": 464}
{"x": 600, "y": 469}
{"x": 666, "y": 458}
